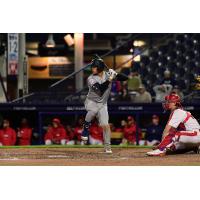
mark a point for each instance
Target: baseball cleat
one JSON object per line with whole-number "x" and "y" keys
{"x": 85, "y": 132}
{"x": 156, "y": 152}
{"x": 108, "y": 151}
{"x": 107, "y": 148}
{"x": 84, "y": 138}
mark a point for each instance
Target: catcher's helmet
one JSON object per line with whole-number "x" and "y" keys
{"x": 99, "y": 63}
{"x": 172, "y": 98}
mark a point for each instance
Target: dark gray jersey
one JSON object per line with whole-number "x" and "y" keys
{"x": 92, "y": 79}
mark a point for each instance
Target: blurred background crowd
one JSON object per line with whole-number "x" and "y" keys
{"x": 155, "y": 63}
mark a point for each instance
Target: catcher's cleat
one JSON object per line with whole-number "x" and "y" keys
{"x": 156, "y": 152}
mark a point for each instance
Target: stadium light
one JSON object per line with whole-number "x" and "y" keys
{"x": 138, "y": 43}
{"x": 69, "y": 40}
{"x": 50, "y": 43}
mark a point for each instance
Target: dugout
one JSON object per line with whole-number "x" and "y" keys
{"x": 40, "y": 116}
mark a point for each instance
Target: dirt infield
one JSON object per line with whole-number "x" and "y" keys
{"x": 90, "y": 157}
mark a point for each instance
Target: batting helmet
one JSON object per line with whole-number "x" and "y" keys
{"x": 172, "y": 98}
{"x": 99, "y": 63}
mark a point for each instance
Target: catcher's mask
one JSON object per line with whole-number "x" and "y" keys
{"x": 172, "y": 98}
{"x": 99, "y": 63}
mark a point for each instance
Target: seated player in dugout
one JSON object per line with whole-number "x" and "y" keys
{"x": 99, "y": 83}
{"x": 130, "y": 131}
{"x": 154, "y": 132}
{"x": 78, "y": 129}
{"x": 182, "y": 132}
{"x": 56, "y": 134}
{"x": 24, "y": 133}
{"x": 7, "y": 134}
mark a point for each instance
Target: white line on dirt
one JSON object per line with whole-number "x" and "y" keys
{"x": 10, "y": 159}
{"x": 57, "y": 156}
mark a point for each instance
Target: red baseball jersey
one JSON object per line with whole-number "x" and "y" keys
{"x": 25, "y": 136}
{"x": 56, "y": 134}
{"x": 130, "y": 133}
{"x": 96, "y": 132}
{"x": 77, "y": 133}
{"x": 8, "y": 136}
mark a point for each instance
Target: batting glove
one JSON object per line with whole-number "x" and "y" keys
{"x": 112, "y": 74}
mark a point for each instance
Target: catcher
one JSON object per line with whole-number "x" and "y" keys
{"x": 182, "y": 132}
{"x": 99, "y": 83}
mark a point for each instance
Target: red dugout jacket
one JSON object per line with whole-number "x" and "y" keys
{"x": 7, "y": 136}
{"x": 56, "y": 134}
{"x": 25, "y": 135}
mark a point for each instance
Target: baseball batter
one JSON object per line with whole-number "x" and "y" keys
{"x": 182, "y": 132}
{"x": 99, "y": 83}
